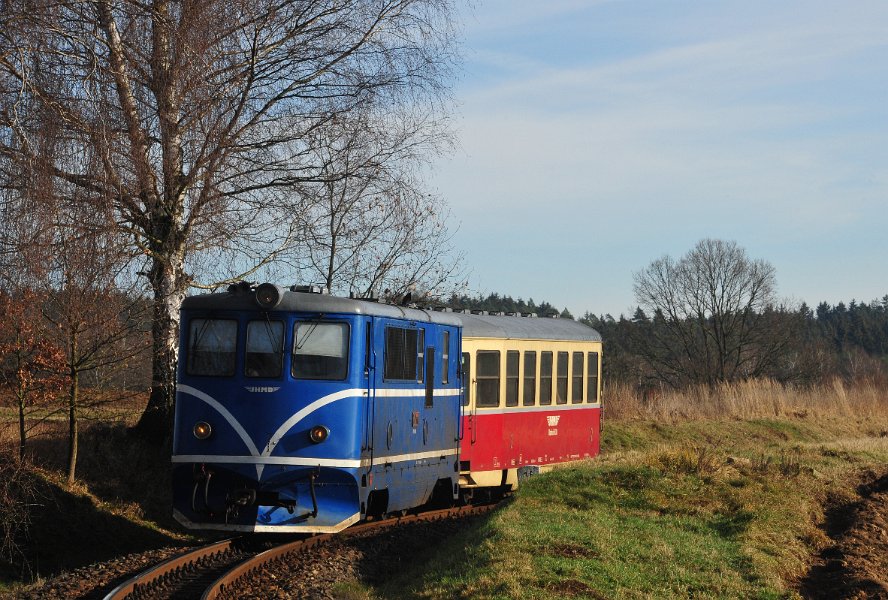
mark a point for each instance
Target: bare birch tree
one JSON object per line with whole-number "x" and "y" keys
{"x": 191, "y": 122}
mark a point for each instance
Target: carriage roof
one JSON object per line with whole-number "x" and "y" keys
{"x": 514, "y": 327}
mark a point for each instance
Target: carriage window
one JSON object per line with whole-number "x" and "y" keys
{"x": 211, "y": 347}
{"x": 530, "y": 368}
{"x": 577, "y": 377}
{"x": 466, "y": 373}
{"x": 320, "y": 350}
{"x": 512, "y": 378}
{"x": 402, "y": 354}
{"x": 445, "y": 358}
{"x": 561, "y": 387}
{"x": 593, "y": 377}
{"x": 487, "y": 375}
{"x": 546, "y": 378}
{"x": 265, "y": 348}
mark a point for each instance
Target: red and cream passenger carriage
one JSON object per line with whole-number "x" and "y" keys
{"x": 532, "y": 397}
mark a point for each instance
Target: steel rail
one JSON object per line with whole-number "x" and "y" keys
{"x": 230, "y": 579}
{"x": 169, "y": 568}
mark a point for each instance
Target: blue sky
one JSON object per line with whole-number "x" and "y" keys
{"x": 598, "y": 136}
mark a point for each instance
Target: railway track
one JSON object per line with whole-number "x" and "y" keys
{"x": 211, "y": 571}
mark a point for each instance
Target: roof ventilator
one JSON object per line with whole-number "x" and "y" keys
{"x": 240, "y": 287}
{"x": 308, "y": 289}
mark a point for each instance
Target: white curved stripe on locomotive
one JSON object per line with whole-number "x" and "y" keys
{"x": 264, "y": 457}
{"x": 346, "y": 463}
{"x": 187, "y": 389}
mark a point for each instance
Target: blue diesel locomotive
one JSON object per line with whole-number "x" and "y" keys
{"x": 301, "y": 412}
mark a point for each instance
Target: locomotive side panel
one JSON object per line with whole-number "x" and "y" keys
{"x": 416, "y": 406}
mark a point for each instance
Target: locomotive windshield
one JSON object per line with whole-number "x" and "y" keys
{"x": 265, "y": 348}
{"x": 211, "y": 347}
{"x": 320, "y": 350}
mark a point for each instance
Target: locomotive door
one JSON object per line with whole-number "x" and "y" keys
{"x": 370, "y": 383}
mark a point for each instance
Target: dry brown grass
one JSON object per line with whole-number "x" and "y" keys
{"x": 47, "y": 425}
{"x": 753, "y": 399}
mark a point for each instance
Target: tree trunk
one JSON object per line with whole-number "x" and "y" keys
{"x": 168, "y": 282}
{"x": 73, "y": 397}
{"x": 21, "y": 415}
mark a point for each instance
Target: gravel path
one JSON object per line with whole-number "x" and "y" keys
{"x": 365, "y": 559}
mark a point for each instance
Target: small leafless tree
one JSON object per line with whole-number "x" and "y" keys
{"x": 193, "y": 122}
{"x": 31, "y": 363}
{"x": 94, "y": 318}
{"x": 368, "y": 225}
{"x": 713, "y": 317}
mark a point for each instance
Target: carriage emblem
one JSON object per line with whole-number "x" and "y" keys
{"x": 553, "y": 420}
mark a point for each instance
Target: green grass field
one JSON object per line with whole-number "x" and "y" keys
{"x": 695, "y": 509}
{"x": 691, "y": 497}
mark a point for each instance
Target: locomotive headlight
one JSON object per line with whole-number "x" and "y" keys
{"x": 202, "y": 430}
{"x": 318, "y": 434}
{"x": 268, "y": 295}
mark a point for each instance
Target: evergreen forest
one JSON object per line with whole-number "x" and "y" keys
{"x": 847, "y": 341}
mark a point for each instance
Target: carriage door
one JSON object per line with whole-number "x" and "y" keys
{"x": 468, "y": 386}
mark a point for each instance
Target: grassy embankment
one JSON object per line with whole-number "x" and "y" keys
{"x": 119, "y": 504}
{"x": 719, "y": 495}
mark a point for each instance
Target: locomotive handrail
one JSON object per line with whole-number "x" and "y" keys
{"x": 473, "y": 413}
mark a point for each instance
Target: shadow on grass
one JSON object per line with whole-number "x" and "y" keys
{"x": 70, "y": 529}
{"x": 733, "y": 524}
{"x": 400, "y": 562}
{"x": 117, "y": 467}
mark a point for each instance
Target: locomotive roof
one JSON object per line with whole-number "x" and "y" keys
{"x": 474, "y": 325}
{"x": 509, "y": 327}
{"x": 311, "y": 302}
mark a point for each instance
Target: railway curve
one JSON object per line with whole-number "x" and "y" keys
{"x": 216, "y": 571}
